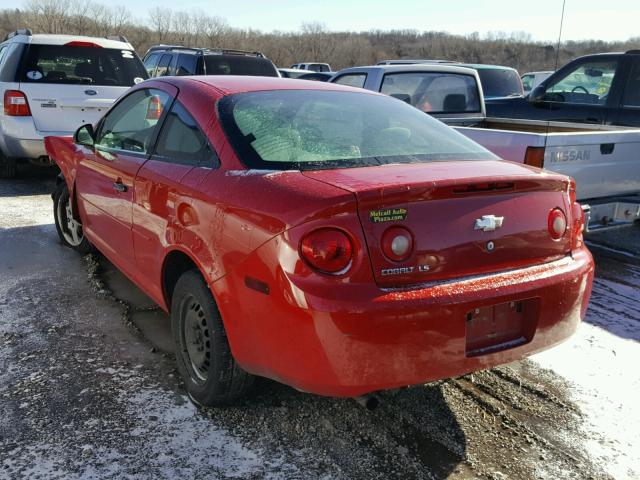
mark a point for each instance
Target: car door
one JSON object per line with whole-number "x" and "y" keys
{"x": 105, "y": 175}
{"x": 580, "y": 93}
{"x": 628, "y": 112}
{"x": 163, "y": 213}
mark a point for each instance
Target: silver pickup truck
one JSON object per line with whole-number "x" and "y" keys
{"x": 603, "y": 160}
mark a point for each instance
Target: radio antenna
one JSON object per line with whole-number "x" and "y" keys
{"x": 560, "y": 34}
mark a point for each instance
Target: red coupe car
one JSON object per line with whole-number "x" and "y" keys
{"x": 333, "y": 239}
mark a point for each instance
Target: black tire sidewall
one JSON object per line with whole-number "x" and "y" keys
{"x": 61, "y": 194}
{"x": 218, "y": 388}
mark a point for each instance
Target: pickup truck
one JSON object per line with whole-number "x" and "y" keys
{"x": 602, "y": 90}
{"x": 604, "y": 163}
{"x": 452, "y": 94}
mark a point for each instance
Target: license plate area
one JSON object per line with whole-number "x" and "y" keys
{"x": 502, "y": 326}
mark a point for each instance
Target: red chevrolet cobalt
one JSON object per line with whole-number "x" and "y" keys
{"x": 333, "y": 239}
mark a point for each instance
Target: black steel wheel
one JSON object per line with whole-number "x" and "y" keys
{"x": 210, "y": 373}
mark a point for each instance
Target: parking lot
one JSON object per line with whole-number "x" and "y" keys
{"x": 88, "y": 387}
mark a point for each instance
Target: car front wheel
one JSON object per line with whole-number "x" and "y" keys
{"x": 211, "y": 375}
{"x": 68, "y": 227}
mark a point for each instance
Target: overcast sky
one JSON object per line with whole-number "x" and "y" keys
{"x": 584, "y": 19}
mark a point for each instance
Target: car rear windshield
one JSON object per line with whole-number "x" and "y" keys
{"x": 500, "y": 83}
{"x": 239, "y": 65}
{"x": 65, "y": 64}
{"x": 434, "y": 92}
{"x": 315, "y": 129}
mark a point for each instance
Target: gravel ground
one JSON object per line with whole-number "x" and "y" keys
{"x": 88, "y": 389}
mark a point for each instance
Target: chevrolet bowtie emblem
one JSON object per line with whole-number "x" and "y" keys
{"x": 488, "y": 223}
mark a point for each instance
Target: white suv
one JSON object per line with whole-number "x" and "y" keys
{"x": 53, "y": 84}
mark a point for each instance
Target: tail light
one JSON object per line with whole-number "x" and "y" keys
{"x": 154, "y": 109}
{"x": 16, "y": 104}
{"x": 397, "y": 244}
{"x": 328, "y": 250}
{"x": 557, "y": 223}
{"x": 534, "y": 157}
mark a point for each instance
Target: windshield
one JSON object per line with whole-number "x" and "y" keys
{"x": 315, "y": 129}
{"x": 497, "y": 82}
{"x": 434, "y": 92}
{"x": 68, "y": 64}
{"x": 239, "y": 65}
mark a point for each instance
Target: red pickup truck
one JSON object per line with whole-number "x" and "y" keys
{"x": 331, "y": 238}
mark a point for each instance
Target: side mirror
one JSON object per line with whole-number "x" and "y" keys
{"x": 537, "y": 94}
{"x": 85, "y": 135}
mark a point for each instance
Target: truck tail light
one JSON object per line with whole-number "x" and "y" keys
{"x": 397, "y": 244}
{"x": 327, "y": 250}
{"x": 534, "y": 157}
{"x": 16, "y": 104}
{"x": 557, "y": 223}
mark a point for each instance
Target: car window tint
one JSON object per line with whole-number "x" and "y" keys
{"x": 588, "y": 83}
{"x": 182, "y": 141}
{"x": 163, "y": 65}
{"x": 352, "y": 79}
{"x": 186, "y": 64}
{"x": 239, "y": 65}
{"x": 64, "y": 64}
{"x": 151, "y": 63}
{"x": 434, "y": 92}
{"x": 130, "y": 124}
{"x": 500, "y": 82}
{"x": 632, "y": 89}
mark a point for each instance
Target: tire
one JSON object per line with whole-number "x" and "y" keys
{"x": 211, "y": 375}
{"x": 8, "y": 167}
{"x": 69, "y": 229}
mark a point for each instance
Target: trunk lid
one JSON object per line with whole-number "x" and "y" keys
{"x": 64, "y": 108}
{"x": 440, "y": 204}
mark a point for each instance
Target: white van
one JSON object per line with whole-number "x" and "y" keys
{"x": 53, "y": 84}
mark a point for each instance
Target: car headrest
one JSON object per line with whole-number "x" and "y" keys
{"x": 85, "y": 69}
{"x": 455, "y": 102}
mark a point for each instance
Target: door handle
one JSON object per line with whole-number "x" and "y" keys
{"x": 119, "y": 186}
{"x": 607, "y": 148}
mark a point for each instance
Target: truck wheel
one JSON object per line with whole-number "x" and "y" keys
{"x": 69, "y": 229}
{"x": 8, "y": 167}
{"x": 210, "y": 373}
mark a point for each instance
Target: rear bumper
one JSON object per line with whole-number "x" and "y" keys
{"x": 362, "y": 338}
{"x": 20, "y": 139}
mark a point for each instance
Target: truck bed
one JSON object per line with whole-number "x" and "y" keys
{"x": 604, "y": 160}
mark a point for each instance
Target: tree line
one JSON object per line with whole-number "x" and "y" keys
{"x": 314, "y": 42}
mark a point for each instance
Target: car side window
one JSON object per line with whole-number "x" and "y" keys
{"x": 151, "y": 63}
{"x": 632, "y": 89}
{"x": 352, "y": 79}
{"x": 588, "y": 83}
{"x": 181, "y": 140}
{"x": 164, "y": 65}
{"x": 130, "y": 125}
{"x": 186, "y": 64}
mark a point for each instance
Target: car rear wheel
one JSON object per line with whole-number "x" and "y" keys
{"x": 69, "y": 228}
{"x": 211, "y": 375}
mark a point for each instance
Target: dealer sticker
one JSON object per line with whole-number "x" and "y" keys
{"x": 388, "y": 215}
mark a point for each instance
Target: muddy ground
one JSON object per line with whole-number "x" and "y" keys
{"x": 88, "y": 388}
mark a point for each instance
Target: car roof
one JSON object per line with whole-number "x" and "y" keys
{"x": 294, "y": 70}
{"x": 418, "y": 67}
{"x": 232, "y": 84}
{"x": 51, "y": 39}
